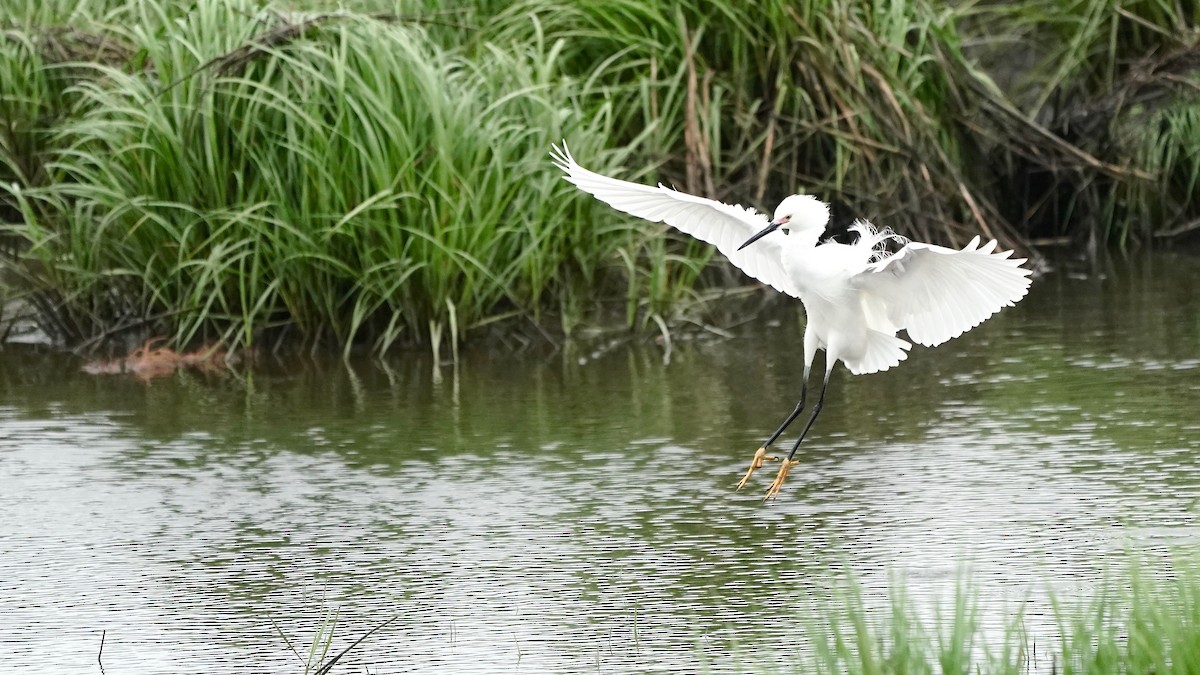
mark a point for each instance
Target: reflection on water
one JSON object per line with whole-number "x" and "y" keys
{"x": 532, "y": 513}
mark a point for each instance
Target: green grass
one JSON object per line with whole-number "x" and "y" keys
{"x": 353, "y": 181}
{"x": 1134, "y": 622}
{"x": 260, "y": 174}
{"x": 860, "y": 102}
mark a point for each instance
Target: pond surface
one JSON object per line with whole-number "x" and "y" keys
{"x": 565, "y": 512}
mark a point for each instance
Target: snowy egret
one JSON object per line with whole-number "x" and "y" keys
{"x": 856, "y": 296}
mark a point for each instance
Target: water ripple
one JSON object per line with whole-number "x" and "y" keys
{"x": 546, "y": 516}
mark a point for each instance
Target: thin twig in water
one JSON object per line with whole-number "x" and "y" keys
{"x": 286, "y": 641}
{"x": 1182, "y": 229}
{"x": 101, "y": 652}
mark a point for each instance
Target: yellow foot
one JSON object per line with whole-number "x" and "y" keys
{"x": 759, "y": 457}
{"x": 777, "y": 484}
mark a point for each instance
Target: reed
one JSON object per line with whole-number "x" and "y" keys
{"x": 231, "y": 170}
{"x": 861, "y": 103}
{"x": 337, "y": 174}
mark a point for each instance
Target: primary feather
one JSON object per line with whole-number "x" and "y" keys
{"x": 722, "y": 225}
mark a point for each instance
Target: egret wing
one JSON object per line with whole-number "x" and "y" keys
{"x": 938, "y": 293}
{"x": 722, "y": 225}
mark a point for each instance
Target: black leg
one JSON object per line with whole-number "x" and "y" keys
{"x": 810, "y": 348}
{"x": 790, "y": 418}
{"x": 815, "y": 411}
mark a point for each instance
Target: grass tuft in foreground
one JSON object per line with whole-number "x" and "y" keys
{"x": 1135, "y": 622}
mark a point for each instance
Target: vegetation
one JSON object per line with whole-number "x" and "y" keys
{"x": 1135, "y": 623}
{"x": 349, "y": 191}
{"x": 235, "y": 171}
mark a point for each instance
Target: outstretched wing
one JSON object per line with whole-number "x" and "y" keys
{"x": 721, "y": 225}
{"x": 938, "y": 293}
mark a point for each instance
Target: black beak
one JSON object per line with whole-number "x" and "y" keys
{"x": 765, "y": 231}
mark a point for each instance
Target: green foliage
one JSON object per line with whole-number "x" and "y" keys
{"x": 1137, "y": 623}
{"x": 350, "y": 179}
{"x": 232, "y": 169}
{"x": 1140, "y": 624}
{"x": 23, "y": 106}
{"x": 858, "y": 101}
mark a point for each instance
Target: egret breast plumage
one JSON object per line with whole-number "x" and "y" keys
{"x": 857, "y": 297}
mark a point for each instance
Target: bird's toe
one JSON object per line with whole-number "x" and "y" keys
{"x": 777, "y": 484}
{"x": 760, "y": 456}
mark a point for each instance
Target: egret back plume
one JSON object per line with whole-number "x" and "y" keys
{"x": 876, "y": 239}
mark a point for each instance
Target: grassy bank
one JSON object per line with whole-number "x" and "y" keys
{"x": 237, "y": 171}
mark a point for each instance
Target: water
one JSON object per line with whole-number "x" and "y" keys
{"x": 572, "y": 512}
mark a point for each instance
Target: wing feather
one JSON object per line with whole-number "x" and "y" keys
{"x": 722, "y": 225}
{"x": 937, "y": 293}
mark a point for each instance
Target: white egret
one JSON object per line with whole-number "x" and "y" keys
{"x": 856, "y": 296}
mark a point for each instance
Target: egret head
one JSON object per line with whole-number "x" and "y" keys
{"x": 798, "y": 212}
